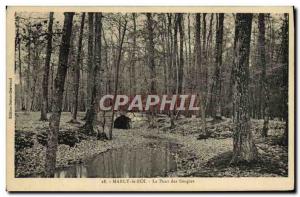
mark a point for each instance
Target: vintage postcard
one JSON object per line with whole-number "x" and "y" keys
{"x": 150, "y": 99}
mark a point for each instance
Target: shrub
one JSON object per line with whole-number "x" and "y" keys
{"x": 66, "y": 137}
{"x": 23, "y": 139}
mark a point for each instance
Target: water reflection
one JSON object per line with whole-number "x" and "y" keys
{"x": 151, "y": 160}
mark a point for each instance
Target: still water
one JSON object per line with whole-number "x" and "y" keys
{"x": 150, "y": 160}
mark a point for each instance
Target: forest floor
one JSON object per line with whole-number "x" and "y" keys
{"x": 201, "y": 158}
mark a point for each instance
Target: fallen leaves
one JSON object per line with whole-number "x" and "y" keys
{"x": 193, "y": 157}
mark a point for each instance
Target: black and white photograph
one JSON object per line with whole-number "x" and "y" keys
{"x": 175, "y": 95}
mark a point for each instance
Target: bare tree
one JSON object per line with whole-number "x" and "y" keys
{"x": 133, "y": 57}
{"x": 92, "y": 112}
{"x": 218, "y": 63}
{"x": 244, "y": 148}
{"x": 181, "y": 59}
{"x": 28, "y": 70}
{"x": 285, "y": 79}
{"x": 170, "y": 52}
{"x": 90, "y": 62}
{"x": 264, "y": 90}
{"x": 151, "y": 62}
{"x": 76, "y": 69}
{"x": 122, "y": 32}
{"x": 44, "y": 108}
{"x": 54, "y": 120}
{"x": 200, "y": 73}
{"x": 18, "y": 41}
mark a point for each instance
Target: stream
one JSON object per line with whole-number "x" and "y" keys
{"x": 155, "y": 159}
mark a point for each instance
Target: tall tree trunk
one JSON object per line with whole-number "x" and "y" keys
{"x": 209, "y": 35}
{"x": 204, "y": 62}
{"x": 164, "y": 51}
{"x": 54, "y": 120}
{"x": 197, "y": 49}
{"x": 34, "y": 76}
{"x": 133, "y": 57}
{"x": 51, "y": 87}
{"x": 150, "y": 47}
{"x": 189, "y": 50}
{"x": 181, "y": 59}
{"x": 76, "y": 72}
{"x": 151, "y": 61}
{"x": 175, "y": 57}
{"x": 44, "y": 108}
{"x": 20, "y": 75}
{"x": 28, "y": 72}
{"x": 174, "y": 69}
{"x": 200, "y": 78}
{"x": 208, "y": 46}
{"x": 122, "y": 33}
{"x": 172, "y": 51}
{"x": 92, "y": 112}
{"x": 244, "y": 149}
{"x": 90, "y": 62}
{"x": 18, "y": 48}
{"x": 263, "y": 80}
{"x": 285, "y": 75}
{"x": 218, "y": 63}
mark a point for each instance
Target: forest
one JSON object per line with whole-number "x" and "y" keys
{"x": 236, "y": 63}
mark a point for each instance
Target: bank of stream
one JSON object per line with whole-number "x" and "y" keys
{"x": 155, "y": 159}
{"x": 150, "y": 152}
